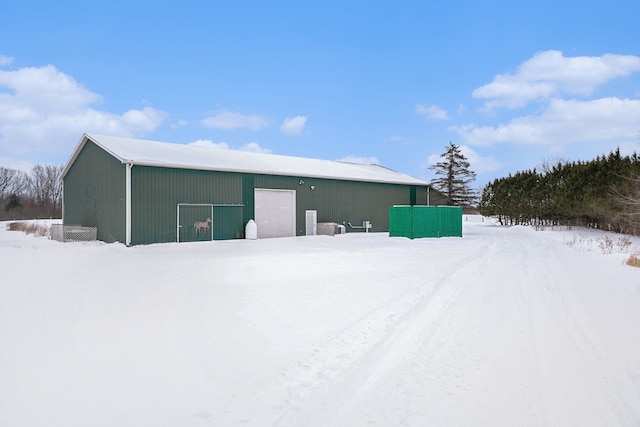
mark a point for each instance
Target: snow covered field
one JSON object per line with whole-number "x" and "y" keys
{"x": 507, "y": 326}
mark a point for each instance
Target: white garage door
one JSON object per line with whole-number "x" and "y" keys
{"x": 275, "y": 213}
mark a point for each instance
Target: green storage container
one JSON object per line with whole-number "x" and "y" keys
{"x": 425, "y": 221}
{"x": 401, "y": 221}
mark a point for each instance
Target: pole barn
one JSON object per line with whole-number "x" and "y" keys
{"x": 139, "y": 192}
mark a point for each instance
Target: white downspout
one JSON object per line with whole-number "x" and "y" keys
{"x": 128, "y": 204}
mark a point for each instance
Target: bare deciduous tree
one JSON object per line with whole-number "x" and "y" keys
{"x": 44, "y": 185}
{"x": 36, "y": 194}
{"x": 630, "y": 203}
{"x": 11, "y": 182}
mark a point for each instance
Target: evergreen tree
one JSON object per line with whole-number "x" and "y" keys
{"x": 602, "y": 193}
{"x": 453, "y": 177}
{"x": 13, "y": 202}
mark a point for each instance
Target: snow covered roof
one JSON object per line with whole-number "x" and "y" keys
{"x": 163, "y": 154}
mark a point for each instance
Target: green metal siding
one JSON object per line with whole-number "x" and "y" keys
{"x": 156, "y": 193}
{"x": 401, "y": 221}
{"x": 425, "y": 221}
{"x": 343, "y": 202}
{"x": 412, "y": 195}
{"x": 94, "y": 193}
{"x": 432, "y": 197}
{"x": 248, "y": 196}
{"x": 451, "y": 221}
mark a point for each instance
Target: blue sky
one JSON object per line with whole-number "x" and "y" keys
{"x": 513, "y": 83}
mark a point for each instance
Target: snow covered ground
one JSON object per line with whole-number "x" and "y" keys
{"x": 507, "y": 326}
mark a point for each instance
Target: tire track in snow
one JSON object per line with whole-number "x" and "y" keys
{"x": 529, "y": 331}
{"x": 554, "y": 315}
{"x": 548, "y": 365}
{"x": 564, "y": 375}
{"x": 351, "y": 362}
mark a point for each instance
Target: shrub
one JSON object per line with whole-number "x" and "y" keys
{"x": 31, "y": 228}
{"x": 633, "y": 260}
{"x": 606, "y": 245}
{"x": 624, "y": 243}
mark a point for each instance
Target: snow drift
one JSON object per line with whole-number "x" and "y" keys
{"x": 505, "y": 326}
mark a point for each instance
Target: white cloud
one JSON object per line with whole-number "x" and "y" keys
{"x": 207, "y": 143}
{"x": 229, "y": 120}
{"x": 550, "y": 74}
{"x": 179, "y": 123}
{"x": 45, "y": 110}
{"x": 508, "y": 92}
{"x": 432, "y": 112}
{"x": 143, "y": 121}
{"x": 400, "y": 140}
{"x": 480, "y": 164}
{"x": 5, "y": 60}
{"x": 360, "y": 159}
{"x": 254, "y": 147}
{"x": 563, "y": 122}
{"x": 43, "y": 90}
{"x": 58, "y": 133}
{"x": 293, "y": 125}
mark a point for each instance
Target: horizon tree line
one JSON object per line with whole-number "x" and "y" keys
{"x": 603, "y": 193}
{"x": 35, "y": 194}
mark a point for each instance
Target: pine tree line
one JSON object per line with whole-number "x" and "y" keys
{"x": 603, "y": 193}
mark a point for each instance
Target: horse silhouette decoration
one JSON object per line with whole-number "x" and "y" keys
{"x": 202, "y": 226}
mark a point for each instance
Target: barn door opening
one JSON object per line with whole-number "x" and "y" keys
{"x": 228, "y": 222}
{"x": 275, "y": 212}
{"x": 195, "y": 223}
{"x": 206, "y": 222}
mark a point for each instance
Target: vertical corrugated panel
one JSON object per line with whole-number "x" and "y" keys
{"x": 248, "y": 197}
{"x": 94, "y": 193}
{"x": 157, "y": 191}
{"x": 426, "y": 221}
{"x": 228, "y": 223}
{"x": 451, "y": 220}
{"x": 189, "y": 216}
{"x": 421, "y": 195}
{"x": 401, "y": 221}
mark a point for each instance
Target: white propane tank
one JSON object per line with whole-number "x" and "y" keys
{"x": 251, "y": 230}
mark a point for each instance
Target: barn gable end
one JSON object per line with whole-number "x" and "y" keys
{"x": 94, "y": 192}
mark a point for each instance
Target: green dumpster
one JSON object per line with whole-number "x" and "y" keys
{"x": 425, "y": 221}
